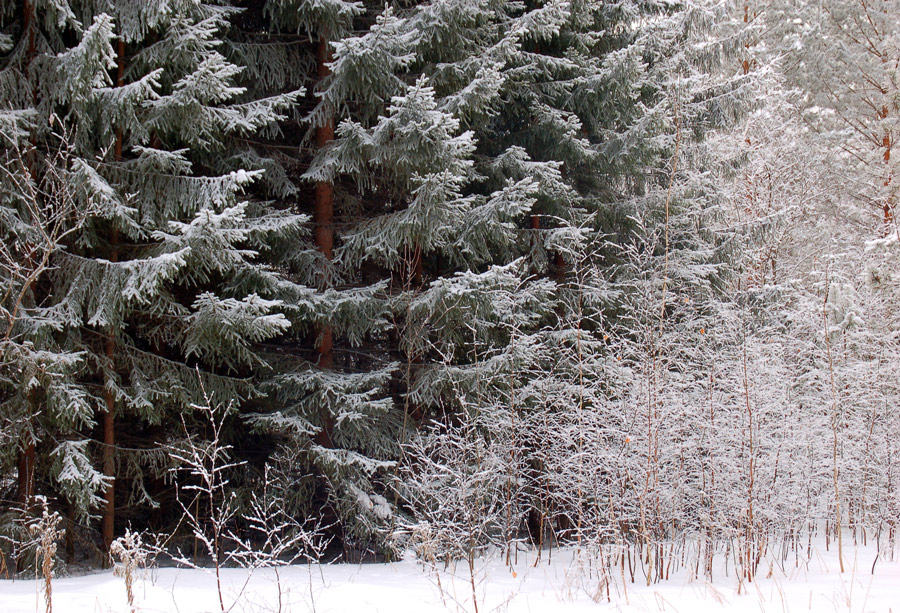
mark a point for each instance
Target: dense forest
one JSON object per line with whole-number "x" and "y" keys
{"x": 348, "y": 279}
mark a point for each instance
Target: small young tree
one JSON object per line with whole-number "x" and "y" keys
{"x": 273, "y": 537}
{"x": 207, "y": 504}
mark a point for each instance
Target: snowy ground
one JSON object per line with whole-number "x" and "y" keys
{"x": 562, "y": 585}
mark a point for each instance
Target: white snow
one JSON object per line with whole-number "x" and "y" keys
{"x": 560, "y": 585}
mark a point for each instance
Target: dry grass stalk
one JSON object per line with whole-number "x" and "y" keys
{"x": 47, "y": 530}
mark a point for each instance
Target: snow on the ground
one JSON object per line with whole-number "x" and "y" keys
{"x": 563, "y": 584}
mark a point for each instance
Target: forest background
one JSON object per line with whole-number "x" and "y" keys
{"x": 448, "y": 276}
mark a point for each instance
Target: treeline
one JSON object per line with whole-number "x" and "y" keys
{"x": 447, "y": 275}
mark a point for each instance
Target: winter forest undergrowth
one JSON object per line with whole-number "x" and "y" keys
{"x": 297, "y": 281}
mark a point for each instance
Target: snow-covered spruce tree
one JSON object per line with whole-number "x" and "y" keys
{"x": 160, "y": 278}
{"x": 39, "y": 213}
{"x": 328, "y": 407}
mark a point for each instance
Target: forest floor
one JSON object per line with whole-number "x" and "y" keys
{"x": 560, "y": 583}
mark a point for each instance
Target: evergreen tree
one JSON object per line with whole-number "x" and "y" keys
{"x": 160, "y": 282}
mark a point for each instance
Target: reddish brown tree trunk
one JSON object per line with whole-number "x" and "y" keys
{"x": 25, "y": 481}
{"x": 323, "y": 218}
{"x": 120, "y": 82}
{"x": 27, "y": 451}
{"x": 415, "y": 268}
{"x": 109, "y": 461}
{"x": 109, "y": 418}
{"x": 889, "y": 201}
{"x": 745, "y": 65}
{"x": 70, "y": 534}
{"x": 25, "y": 466}
{"x": 536, "y": 225}
{"x": 559, "y": 262}
{"x": 324, "y": 199}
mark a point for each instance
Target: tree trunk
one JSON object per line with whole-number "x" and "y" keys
{"x": 27, "y": 452}
{"x": 889, "y": 201}
{"x": 109, "y": 423}
{"x": 25, "y": 466}
{"x": 323, "y": 218}
{"x": 415, "y": 277}
{"x": 109, "y": 461}
{"x": 25, "y": 483}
